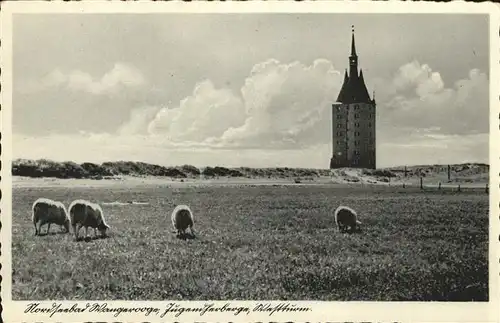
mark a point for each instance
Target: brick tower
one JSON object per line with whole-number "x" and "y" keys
{"x": 353, "y": 121}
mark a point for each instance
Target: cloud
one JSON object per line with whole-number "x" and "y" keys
{"x": 417, "y": 98}
{"x": 284, "y": 103}
{"x": 278, "y": 106}
{"x": 207, "y": 113}
{"x": 120, "y": 76}
{"x": 139, "y": 121}
{"x": 287, "y": 106}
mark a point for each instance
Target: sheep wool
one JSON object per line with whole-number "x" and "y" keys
{"x": 87, "y": 214}
{"x": 346, "y": 219}
{"x": 47, "y": 211}
{"x": 182, "y": 218}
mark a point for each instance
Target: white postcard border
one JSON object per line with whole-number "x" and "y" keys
{"x": 14, "y": 311}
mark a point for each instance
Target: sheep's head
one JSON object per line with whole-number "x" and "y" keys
{"x": 66, "y": 225}
{"x": 103, "y": 227}
{"x": 358, "y": 226}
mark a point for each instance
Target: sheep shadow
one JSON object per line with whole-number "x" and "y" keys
{"x": 351, "y": 231}
{"x": 185, "y": 236}
{"x": 91, "y": 238}
{"x": 50, "y": 233}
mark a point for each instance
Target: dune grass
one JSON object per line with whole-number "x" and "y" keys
{"x": 259, "y": 243}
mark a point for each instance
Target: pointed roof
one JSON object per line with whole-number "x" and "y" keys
{"x": 343, "y": 90}
{"x": 363, "y": 90}
{"x": 354, "y": 89}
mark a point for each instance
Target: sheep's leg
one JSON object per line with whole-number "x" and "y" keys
{"x": 77, "y": 228}
{"x": 48, "y": 228}
{"x": 86, "y": 232}
{"x": 95, "y": 232}
{"x": 36, "y": 228}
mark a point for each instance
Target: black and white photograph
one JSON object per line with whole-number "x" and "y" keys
{"x": 257, "y": 161}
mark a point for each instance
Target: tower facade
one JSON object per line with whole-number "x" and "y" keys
{"x": 353, "y": 121}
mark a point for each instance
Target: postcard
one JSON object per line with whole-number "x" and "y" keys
{"x": 261, "y": 161}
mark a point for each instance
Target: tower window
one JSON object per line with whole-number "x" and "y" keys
{"x": 339, "y": 116}
{"x": 356, "y": 115}
{"x": 356, "y": 153}
{"x": 369, "y": 124}
{"x": 339, "y": 125}
{"x": 357, "y": 124}
{"x": 356, "y": 107}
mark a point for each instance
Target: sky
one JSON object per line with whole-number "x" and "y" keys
{"x": 245, "y": 89}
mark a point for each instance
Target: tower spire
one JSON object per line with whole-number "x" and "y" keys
{"x": 353, "y": 43}
{"x": 353, "y": 60}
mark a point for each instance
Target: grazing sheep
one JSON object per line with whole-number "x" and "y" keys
{"x": 87, "y": 214}
{"x": 47, "y": 211}
{"x": 346, "y": 219}
{"x": 182, "y": 218}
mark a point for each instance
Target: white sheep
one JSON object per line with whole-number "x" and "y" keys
{"x": 47, "y": 211}
{"x": 346, "y": 219}
{"x": 182, "y": 218}
{"x": 87, "y": 214}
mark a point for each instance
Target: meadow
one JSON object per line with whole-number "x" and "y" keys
{"x": 258, "y": 242}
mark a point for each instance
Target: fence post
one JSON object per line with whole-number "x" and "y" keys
{"x": 439, "y": 187}
{"x": 421, "y": 183}
{"x": 449, "y": 173}
{"x": 404, "y": 185}
{"x": 459, "y": 187}
{"x": 405, "y": 171}
{"x": 486, "y": 188}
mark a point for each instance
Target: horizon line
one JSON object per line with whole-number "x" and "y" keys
{"x": 252, "y": 167}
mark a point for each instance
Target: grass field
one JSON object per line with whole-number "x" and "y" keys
{"x": 259, "y": 242}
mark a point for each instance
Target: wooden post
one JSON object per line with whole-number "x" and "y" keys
{"x": 486, "y": 188}
{"x": 449, "y": 173}
{"x": 439, "y": 187}
{"x": 405, "y": 171}
{"x": 404, "y": 185}
{"x": 421, "y": 183}
{"x": 459, "y": 187}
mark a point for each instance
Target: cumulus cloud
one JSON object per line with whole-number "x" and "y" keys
{"x": 207, "y": 113}
{"x": 139, "y": 121}
{"x": 418, "y": 98}
{"x": 284, "y": 103}
{"x": 286, "y": 106}
{"x": 279, "y": 106}
{"x": 120, "y": 76}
